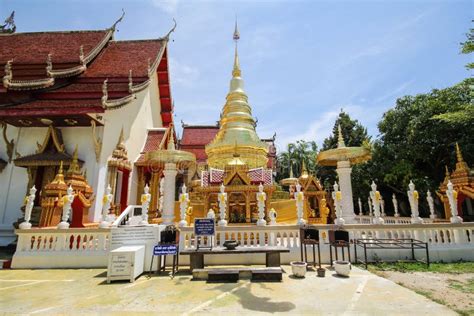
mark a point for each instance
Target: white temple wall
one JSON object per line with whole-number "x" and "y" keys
{"x": 82, "y": 137}
{"x": 14, "y": 180}
{"x": 135, "y": 118}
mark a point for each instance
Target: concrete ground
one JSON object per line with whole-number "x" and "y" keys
{"x": 54, "y": 292}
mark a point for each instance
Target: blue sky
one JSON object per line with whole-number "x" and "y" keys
{"x": 302, "y": 61}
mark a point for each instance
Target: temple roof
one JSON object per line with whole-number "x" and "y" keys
{"x": 34, "y": 47}
{"x": 198, "y": 134}
{"x": 121, "y": 57}
{"x": 153, "y": 141}
{"x": 68, "y": 76}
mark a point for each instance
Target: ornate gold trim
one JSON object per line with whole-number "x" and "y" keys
{"x": 10, "y": 144}
{"x": 97, "y": 141}
{"x": 51, "y": 133}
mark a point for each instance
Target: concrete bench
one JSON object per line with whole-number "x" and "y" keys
{"x": 272, "y": 254}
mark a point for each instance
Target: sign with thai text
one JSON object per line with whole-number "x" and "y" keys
{"x": 161, "y": 250}
{"x": 204, "y": 227}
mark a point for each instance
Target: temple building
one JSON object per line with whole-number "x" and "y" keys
{"x": 76, "y": 107}
{"x": 462, "y": 179}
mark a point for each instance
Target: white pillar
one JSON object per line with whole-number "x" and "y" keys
{"x": 344, "y": 173}
{"x": 169, "y": 191}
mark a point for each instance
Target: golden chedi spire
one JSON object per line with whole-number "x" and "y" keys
{"x": 74, "y": 168}
{"x": 461, "y": 165}
{"x": 237, "y": 126}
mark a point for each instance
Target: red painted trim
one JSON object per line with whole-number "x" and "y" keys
{"x": 124, "y": 191}
{"x": 49, "y": 112}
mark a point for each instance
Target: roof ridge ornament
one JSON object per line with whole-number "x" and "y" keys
{"x": 8, "y": 73}
{"x": 113, "y": 27}
{"x": 81, "y": 55}
{"x": 49, "y": 65}
{"x": 10, "y": 144}
{"x": 130, "y": 81}
{"x": 105, "y": 93}
{"x": 9, "y": 25}
{"x": 167, "y": 36}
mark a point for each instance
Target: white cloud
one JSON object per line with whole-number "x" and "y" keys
{"x": 168, "y": 6}
{"x": 182, "y": 74}
{"x": 394, "y": 93}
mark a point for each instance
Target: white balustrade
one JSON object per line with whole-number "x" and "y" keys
{"x": 71, "y": 248}
{"x": 366, "y": 219}
{"x": 89, "y": 247}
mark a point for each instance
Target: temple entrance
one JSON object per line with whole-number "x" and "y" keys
{"x": 121, "y": 188}
{"x": 465, "y": 206}
{"x": 237, "y": 208}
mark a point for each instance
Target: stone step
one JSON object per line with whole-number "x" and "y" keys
{"x": 223, "y": 275}
{"x": 242, "y": 272}
{"x": 268, "y": 274}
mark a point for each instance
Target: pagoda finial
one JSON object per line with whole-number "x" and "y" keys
{"x": 171, "y": 144}
{"x": 59, "y": 178}
{"x": 74, "y": 166}
{"x": 304, "y": 171}
{"x": 291, "y": 171}
{"x": 60, "y": 168}
{"x": 340, "y": 139}
{"x": 458, "y": 153}
{"x": 236, "y": 71}
{"x": 121, "y": 138}
{"x": 446, "y": 172}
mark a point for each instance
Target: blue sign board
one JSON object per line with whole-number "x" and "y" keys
{"x": 204, "y": 227}
{"x": 161, "y": 250}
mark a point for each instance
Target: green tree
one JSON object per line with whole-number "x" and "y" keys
{"x": 467, "y": 47}
{"x": 294, "y": 156}
{"x": 465, "y": 112}
{"x": 414, "y": 146}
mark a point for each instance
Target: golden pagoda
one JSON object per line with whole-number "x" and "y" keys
{"x": 237, "y": 127}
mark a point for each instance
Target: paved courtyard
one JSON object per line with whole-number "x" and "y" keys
{"x": 85, "y": 291}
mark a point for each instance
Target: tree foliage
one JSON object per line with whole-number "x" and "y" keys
{"x": 415, "y": 145}
{"x": 467, "y": 47}
{"x": 294, "y": 156}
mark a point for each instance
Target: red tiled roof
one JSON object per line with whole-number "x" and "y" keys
{"x": 153, "y": 140}
{"x": 198, "y": 135}
{"x": 118, "y": 58}
{"x": 33, "y": 48}
{"x": 53, "y": 107}
{"x": 200, "y": 153}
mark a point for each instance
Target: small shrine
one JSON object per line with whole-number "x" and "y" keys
{"x": 316, "y": 201}
{"x": 462, "y": 179}
{"x": 51, "y": 208}
{"x": 43, "y": 165}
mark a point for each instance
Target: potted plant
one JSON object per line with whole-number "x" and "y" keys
{"x": 342, "y": 268}
{"x": 298, "y": 268}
